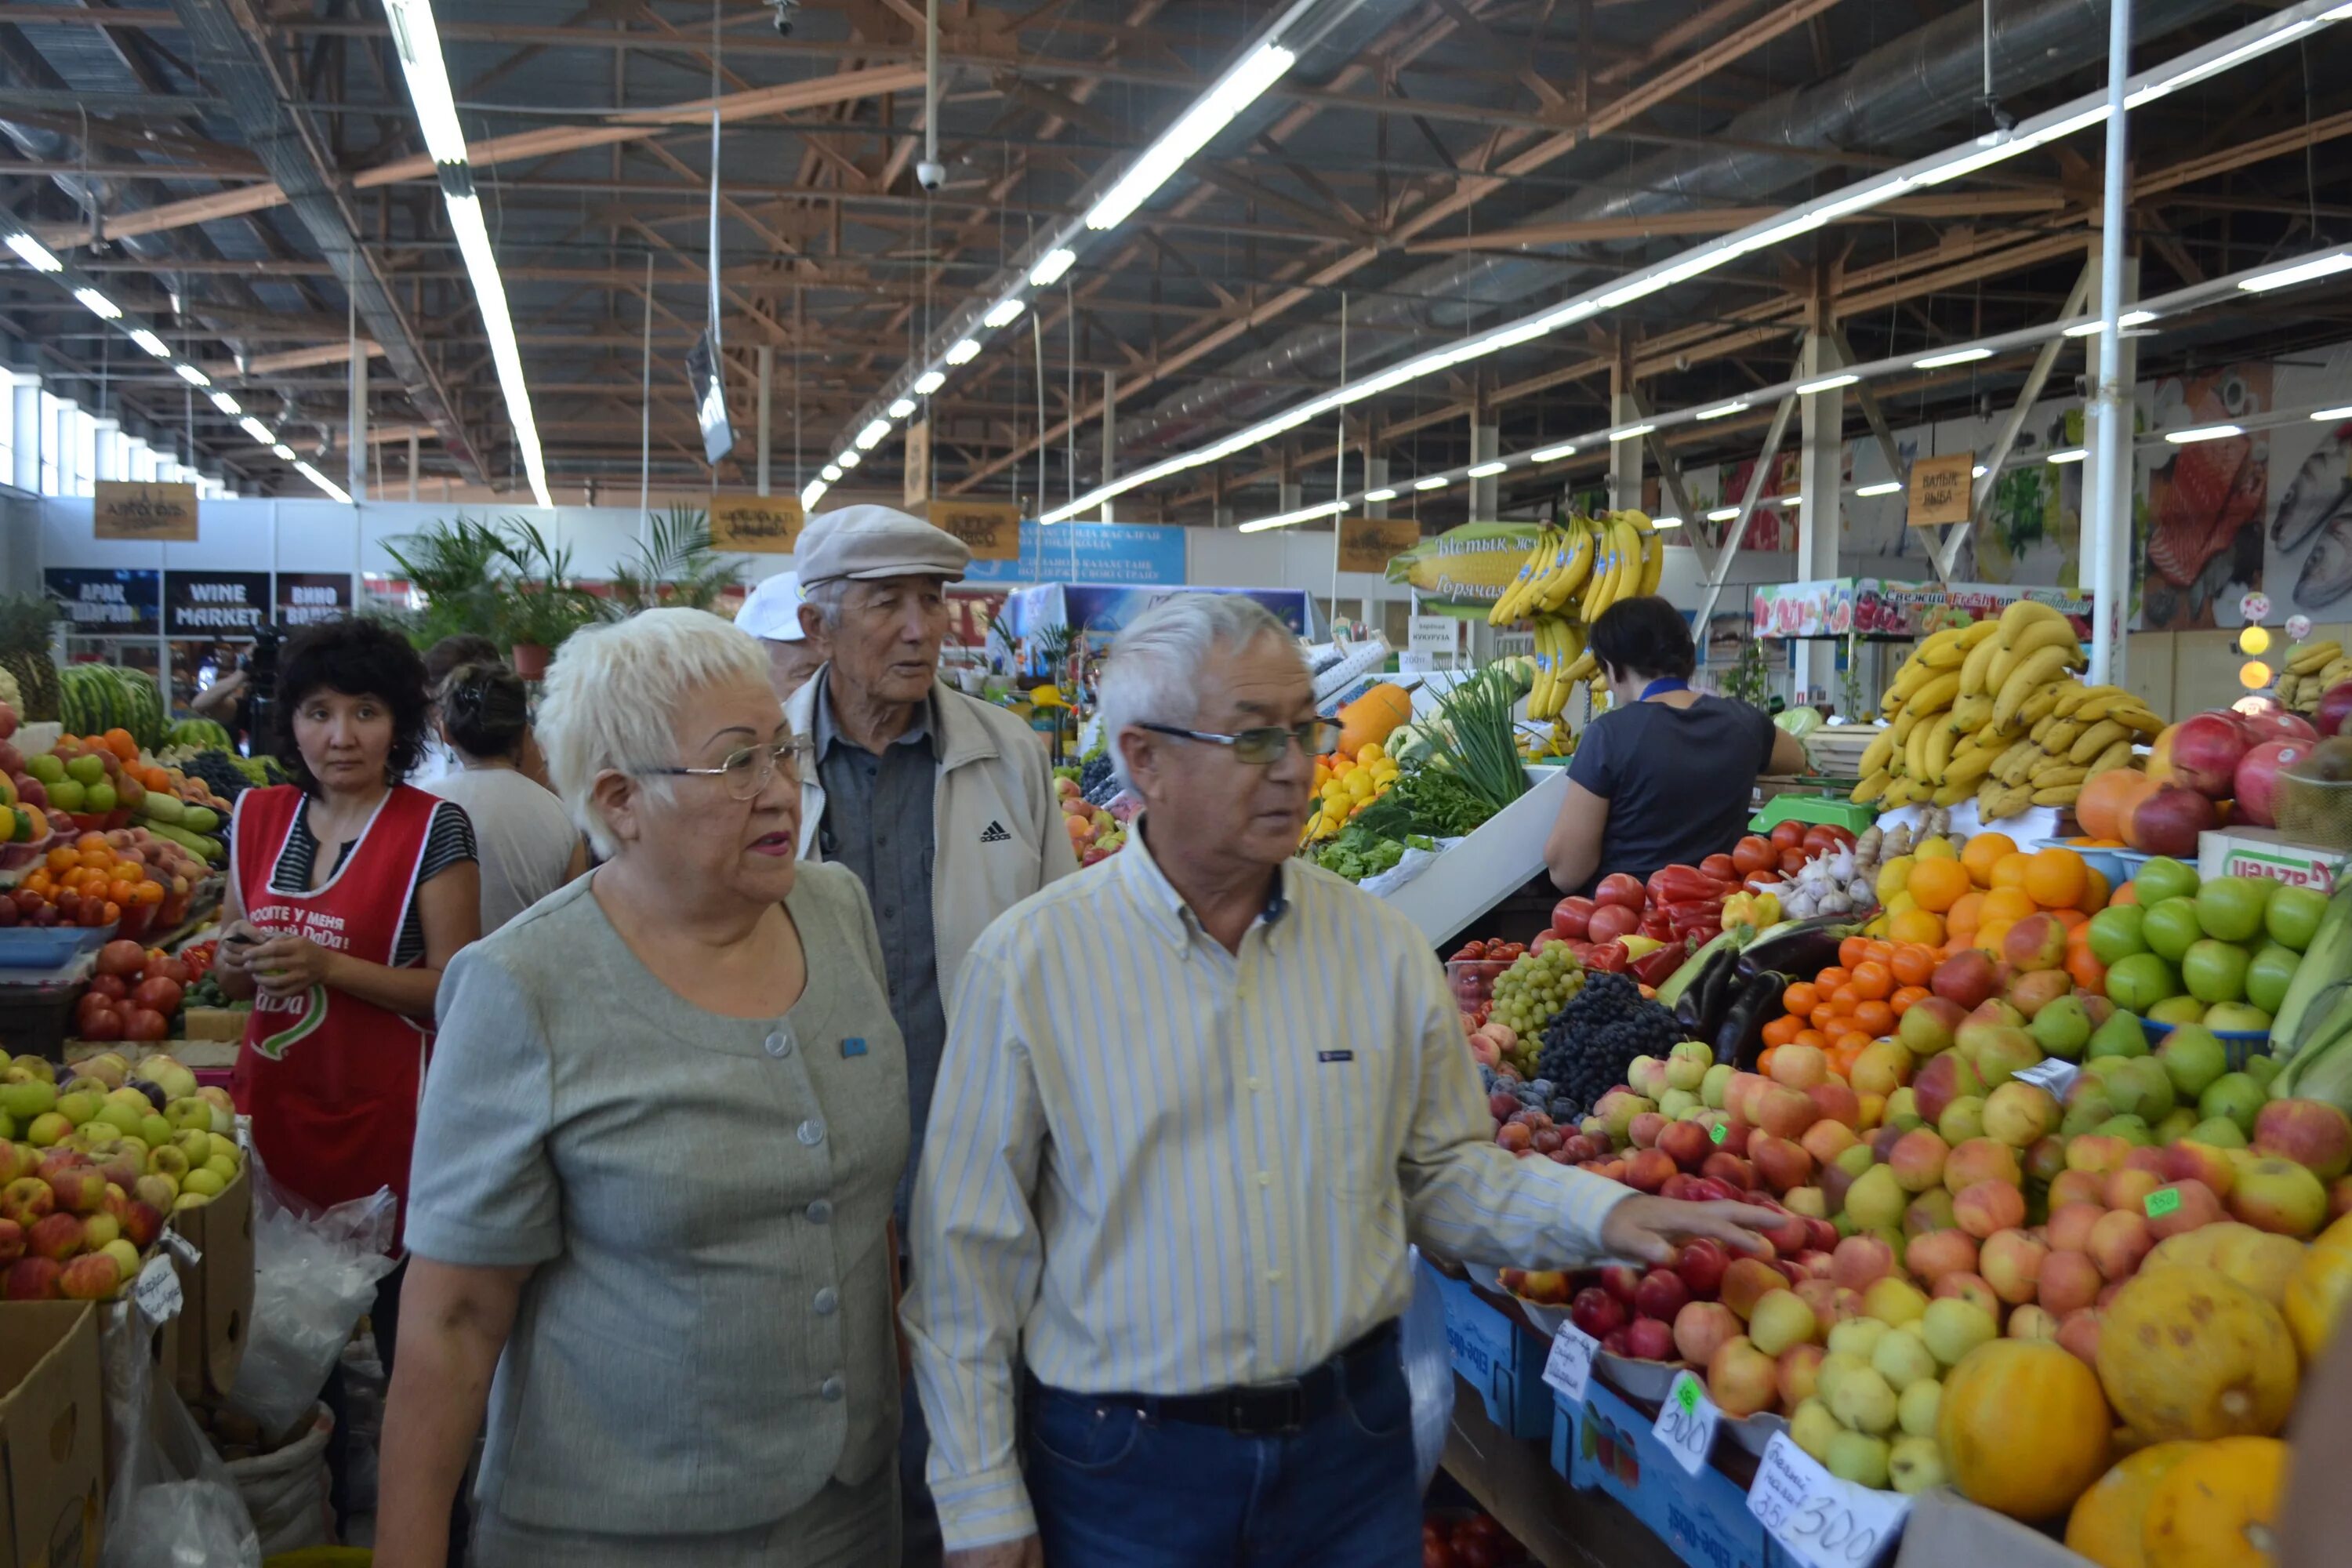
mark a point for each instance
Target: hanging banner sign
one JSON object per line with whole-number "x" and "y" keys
{"x": 214, "y": 604}
{"x": 100, "y": 602}
{"x": 917, "y": 484}
{"x": 1939, "y": 490}
{"x": 1465, "y": 569}
{"x": 992, "y": 529}
{"x": 306, "y": 598}
{"x": 149, "y": 511}
{"x": 1137, "y": 554}
{"x": 1369, "y": 544}
{"x": 764, "y": 525}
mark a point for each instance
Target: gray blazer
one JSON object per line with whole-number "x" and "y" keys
{"x": 707, "y": 1338}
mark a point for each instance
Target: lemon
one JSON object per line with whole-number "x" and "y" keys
{"x": 1894, "y": 877}
{"x": 1932, "y": 849}
{"x": 1370, "y": 753}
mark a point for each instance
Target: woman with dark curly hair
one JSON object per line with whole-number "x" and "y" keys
{"x": 349, "y": 892}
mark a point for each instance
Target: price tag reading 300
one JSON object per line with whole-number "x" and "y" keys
{"x": 1823, "y": 1522}
{"x": 1687, "y": 1422}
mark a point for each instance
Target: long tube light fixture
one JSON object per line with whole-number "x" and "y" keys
{"x": 417, "y": 40}
{"x": 2180, "y": 302}
{"x": 2250, "y": 42}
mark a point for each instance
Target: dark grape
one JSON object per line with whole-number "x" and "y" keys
{"x": 1590, "y": 1047}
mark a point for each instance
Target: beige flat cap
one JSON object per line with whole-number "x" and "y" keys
{"x": 862, "y": 543}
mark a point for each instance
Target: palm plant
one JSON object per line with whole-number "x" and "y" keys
{"x": 455, "y": 567}
{"x": 675, "y": 566}
{"x": 543, "y": 602}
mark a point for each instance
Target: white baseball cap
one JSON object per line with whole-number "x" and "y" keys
{"x": 772, "y": 609}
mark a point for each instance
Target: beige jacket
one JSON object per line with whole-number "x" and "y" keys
{"x": 996, "y": 833}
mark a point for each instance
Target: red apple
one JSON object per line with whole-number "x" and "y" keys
{"x": 1597, "y": 1312}
{"x": 2313, "y": 1133}
{"x": 2335, "y": 715}
{"x": 1703, "y": 1328}
{"x": 1663, "y": 1295}
{"x": 1741, "y": 1379}
{"x": 31, "y": 1280}
{"x": 1648, "y": 1339}
{"x": 1965, "y": 979}
{"x": 1623, "y": 1282}
{"x": 1687, "y": 1144}
{"x": 1648, "y": 1170}
{"x": 1701, "y": 1265}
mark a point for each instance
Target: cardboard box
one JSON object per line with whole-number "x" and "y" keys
{"x": 1605, "y": 1445}
{"x": 2266, "y": 852}
{"x": 217, "y": 1307}
{"x": 1947, "y": 1530}
{"x": 1503, "y": 1364}
{"x": 222, "y": 1025}
{"x": 52, "y": 1436}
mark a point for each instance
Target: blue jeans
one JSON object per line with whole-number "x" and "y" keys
{"x": 1113, "y": 1487}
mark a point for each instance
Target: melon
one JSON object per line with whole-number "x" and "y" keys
{"x": 2218, "y": 1506}
{"x": 2316, "y": 1296}
{"x": 2023, "y": 1428}
{"x": 2106, "y": 1525}
{"x": 2188, "y": 1352}
{"x": 2261, "y": 1261}
{"x": 1372, "y": 718}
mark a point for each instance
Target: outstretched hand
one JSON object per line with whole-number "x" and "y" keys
{"x": 1652, "y": 1230}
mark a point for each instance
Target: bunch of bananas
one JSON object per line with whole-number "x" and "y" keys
{"x": 1993, "y": 709}
{"x": 1578, "y": 568}
{"x": 1559, "y": 740}
{"x": 2312, "y": 669}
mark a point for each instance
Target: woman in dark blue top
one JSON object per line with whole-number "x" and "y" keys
{"x": 1665, "y": 776}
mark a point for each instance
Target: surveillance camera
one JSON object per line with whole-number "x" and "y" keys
{"x": 930, "y": 176}
{"x": 784, "y": 16}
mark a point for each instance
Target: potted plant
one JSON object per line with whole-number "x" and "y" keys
{"x": 676, "y": 566}
{"x": 456, "y": 568}
{"x": 542, "y": 604}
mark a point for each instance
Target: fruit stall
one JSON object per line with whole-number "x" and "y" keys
{"x": 2046, "y": 1062}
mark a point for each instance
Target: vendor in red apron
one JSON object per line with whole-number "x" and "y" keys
{"x": 349, "y": 892}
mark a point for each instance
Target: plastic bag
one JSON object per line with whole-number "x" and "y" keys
{"x": 286, "y": 1490}
{"x": 1428, "y": 1371}
{"x": 177, "y": 1507}
{"x": 313, "y": 1276}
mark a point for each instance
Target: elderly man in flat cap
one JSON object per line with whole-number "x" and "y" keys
{"x": 771, "y": 612}
{"x": 944, "y": 805}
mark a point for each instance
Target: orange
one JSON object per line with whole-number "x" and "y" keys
{"x": 1852, "y": 951}
{"x": 2006, "y": 905}
{"x": 1983, "y": 852}
{"x": 148, "y": 893}
{"x": 1873, "y": 981}
{"x": 1800, "y": 998}
{"x": 2009, "y": 871}
{"x": 119, "y": 742}
{"x": 2109, "y": 799}
{"x": 1961, "y": 922}
{"x": 1913, "y": 964}
{"x": 62, "y": 859}
{"x": 2126, "y": 894}
{"x": 1781, "y": 1030}
{"x": 2073, "y": 920}
{"x": 2084, "y": 969}
{"x": 1813, "y": 1037}
{"x": 2096, "y": 891}
{"x": 1936, "y": 885}
{"x": 1830, "y": 979}
{"x": 1902, "y": 1000}
{"x": 2056, "y": 877}
{"x": 113, "y": 911}
{"x": 1914, "y": 926}
{"x": 90, "y": 841}
{"x": 38, "y": 882}
{"x": 121, "y": 892}
{"x": 1874, "y": 1018}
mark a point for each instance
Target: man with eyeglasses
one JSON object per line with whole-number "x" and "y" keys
{"x": 1195, "y": 1105}
{"x": 942, "y": 805}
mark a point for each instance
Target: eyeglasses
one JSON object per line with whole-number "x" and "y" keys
{"x": 1316, "y": 737}
{"x": 747, "y": 769}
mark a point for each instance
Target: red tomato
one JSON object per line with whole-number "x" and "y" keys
{"x": 160, "y": 994}
{"x": 1618, "y": 888}
{"x": 1788, "y": 836}
{"x": 1436, "y": 1553}
{"x": 144, "y": 1024}
{"x": 1572, "y": 917}
{"x": 92, "y": 1003}
{"x": 103, "y": 1026}
{"x": 1722, "y": 868}
{"x": 1611, "y": 922}
{"x": 1793, "y": 861}
{"x": 172, "y": 969}
{"x": 122, "y": 957}
{"x": 1544, "y": 938}
{"x": 1755, "y": 853}
{"x": 112, "y": 986}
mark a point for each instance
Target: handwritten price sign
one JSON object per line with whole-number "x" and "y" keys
{"x": 1569, "y": 1367}
{"x": 1687, "y": 1424}
{"x": 1823, "y": 1522}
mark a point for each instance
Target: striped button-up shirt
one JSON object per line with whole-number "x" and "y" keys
{"x": 1158, "y": 1166}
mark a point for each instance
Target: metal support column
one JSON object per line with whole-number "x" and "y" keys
{"x": 1485, "y": 494}
{"x": 1820, "y": 479}
{"x": 412, "y": 465}
{"x": 1376, "y": 477}
{"x": 1624, "y": 409}
{"x": 767, "y": 359}
{"x": 2107, "y": 519}
{"x": 1110, "y": 437}
{"x": 357, "y": 469}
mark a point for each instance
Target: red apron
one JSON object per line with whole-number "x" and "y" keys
{"x": 331, "y": 1082}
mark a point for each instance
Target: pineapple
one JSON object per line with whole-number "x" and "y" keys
{"x": 26, "y": 623}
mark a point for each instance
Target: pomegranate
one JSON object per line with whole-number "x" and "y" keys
{"x": 2257, "y": 780}
{"x": 2335, "y": 715}
{"x": 2205, "y": 753}
{"x": 2275, "y": 724}
{"x": 2169, "y": 818}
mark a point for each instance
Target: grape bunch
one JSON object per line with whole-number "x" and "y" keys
{"x": 221, "y": 771}
{"x": 1528, "y": 993}
{"x": 1590, "y": 1047}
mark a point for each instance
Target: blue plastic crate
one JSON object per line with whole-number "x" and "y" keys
{"x": 49, "y": 947}
{"x": 1605, "y": 1445}
{"x": 1503, "y": 1364}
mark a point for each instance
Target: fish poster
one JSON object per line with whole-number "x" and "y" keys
{"x": 2199, "y": 541}
{"x": 2308, "y": 548}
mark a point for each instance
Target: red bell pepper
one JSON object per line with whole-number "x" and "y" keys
{"x": 1680, "y": 884}
{"x": 1658, "y": 967}
{"x": 1608, "y": 958}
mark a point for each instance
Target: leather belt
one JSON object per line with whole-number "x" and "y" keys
{"x": 1262, "y": 1409}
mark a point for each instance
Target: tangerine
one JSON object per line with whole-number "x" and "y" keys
{"x": 1962, "y": 920}
{"x": 1853, "y": 949}
{"x": 2056, "y": 877}
{"x": 1874, "y": 1018}
{"x": 1983, "y": 852}
{"x": 2084, "y": 969}
{"x": 1913, "y": 927}
{"x": 2009, "y": 871}
{"x": 1873, "y": 981}
{"x": 1800, "y": 998}
{"x": 119, "y": 742}
{"x": 2096, "y": 891}
{"x": 1936, "y": 885}
{"x": 2006, "y": 905}
{"x": 1904, "y": 1000}
{"x": 62, "y": 859}
{"x": 1913, "y": 964}
{"x": 1782, "y": 1029}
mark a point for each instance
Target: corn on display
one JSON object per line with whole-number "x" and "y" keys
{"x": 2309, "y": 670}
{"x": 1993, "y": 709}
{"x": 1578, "y": 567}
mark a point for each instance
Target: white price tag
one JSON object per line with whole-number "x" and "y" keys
{"x": 181, "y": 1247}
{"x": 1569, "y": 1367}
{"x": 2056, "y": 1074}
{"x": 156, "y": 1293}
{"x": 1687, "y": 1422}
{"x": 1825, "y": 1522}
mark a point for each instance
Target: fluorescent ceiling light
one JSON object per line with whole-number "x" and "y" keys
{"x": 931, "y": 381}
{"x": 1208, "y": 115}
{"x": 1629, "y": 432}
{"x": 902, "y": 408}
{"x": 2285, "y": 276}
{"x": 226, "y": 404}
{"x": 965, "y": 351}
{"x": 2081, "y": 121}
{"x": 334, "y": 491}
{"x": 1977, "y": 472}
{"x": 284, "y": 452}
{"x": 1488, "y": 470}
{"x": 1004, "y": 313}
{"x": 505, "y": 353}
{"x": 872, "y": 435}
{"x": 36, "y": 254}
{"x": 1723, "y": 514}
{"x": 192, "y": 375}
{"x": 2343, "y": 413}
{"x": 1552, "y": 454}
{"x": 2093, "y": 329}
{"x": 1380, "y": 495}
{"x": 418, "y": 42}
{"x": 1991, "y": 148}
{"x": 1437, "y": 483}
{"x": 1958, "y": 356}
{"x": 831, "y": 475}
{"x": 2203, "y": 433}
{"x": 811, "y": 493}
{"x": 1786, "y": 503}
{"x": 2070, "y": 455}
{"x": 1665, "y": 523}
{"x": 1725, "y": 410}
{"x": 151, "y": 342}
{"x": 1051, "y": 266}
{"x": 1826, "y": 383}
{"x": 849, "y": 459}
{"x": 1883, "y": 487}
{"x": 99, "y": 305}
{"x": 2277, "y": 37}
{"x": 1291, "y": 519}
{"x": 258, "y": 430}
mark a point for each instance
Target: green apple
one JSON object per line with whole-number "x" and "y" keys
{"x": 66, "y": 794}
{"x": 23, "y": 1101}
{"x": 79, "y": 1106}
{"x": 2218, "y": 1130}
{"x": 204, "y": 1182}
{"x": 2116, "y": 934}
{"x": 221, "y": 1166}
{"x": 2271, "y": 970}
{"x": 2162, "y": 877}
{"x": 1859, "y": 1457}
{"x": 2132, "y": 1130}
{"x": 154, "y": 1131}
{"x": 48, "y": 767}
{"x": 99, "y": 798}
{"x": 2169, "y": 927}
{"x": 2213, "y": 969}
{"x": 2292, "y": 917}
{"x": 2137, "y": 983}
{"x": 189, "y": 1114}
{"x": 86, "y": 769}
{"x": 2230, "y": 908}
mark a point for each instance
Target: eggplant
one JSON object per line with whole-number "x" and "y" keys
{"x": 1715, "y": 992}
{"x": 1798, "y": 947}
{"x": 1740, "y": 1037}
